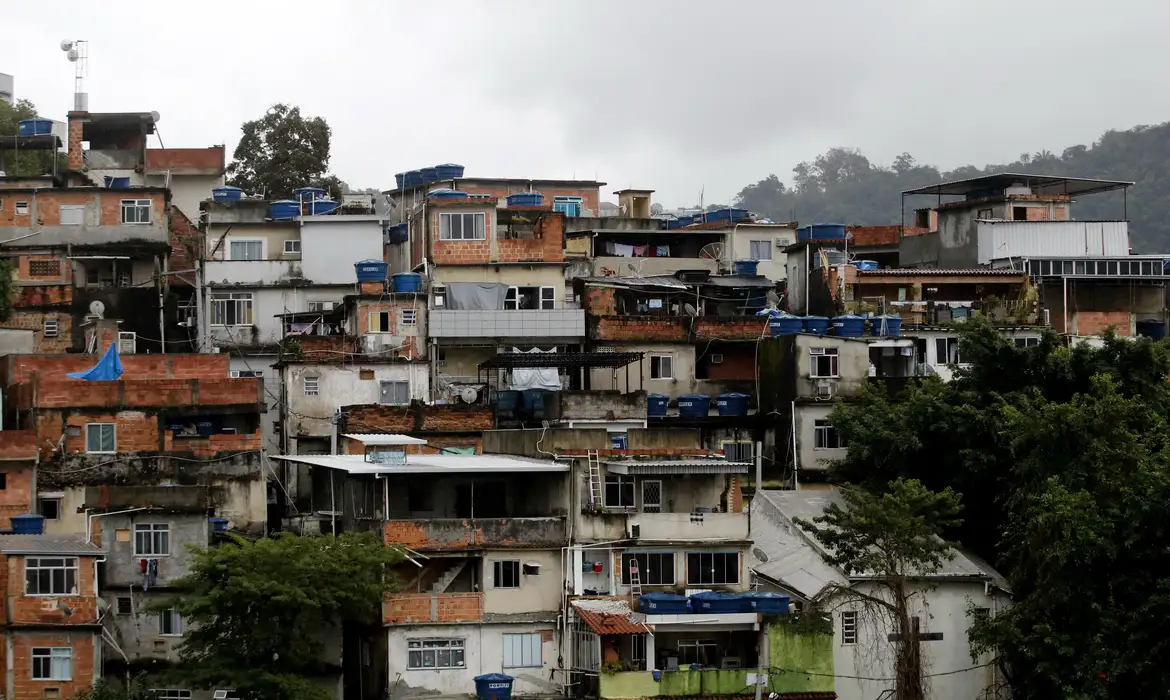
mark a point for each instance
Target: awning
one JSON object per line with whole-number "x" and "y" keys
{"x": 679, "y": 466}
{"x": 384, "y": 439}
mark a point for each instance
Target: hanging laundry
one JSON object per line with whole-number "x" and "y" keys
{"x": 640, "y": 251}
{"x": 662, "y": 251}
{"x": 623, "y": 251}
{"x": 610, "y": 247}
{"x": 152, "y": 572}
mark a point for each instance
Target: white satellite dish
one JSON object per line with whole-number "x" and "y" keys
{"x": 72, "y": 55}
{"x": 97, "y": 308}
{"x": 66, "y": 44}
{"x": 469, "y": 395}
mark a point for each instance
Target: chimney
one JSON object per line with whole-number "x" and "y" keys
{"x": 76, "y": 128}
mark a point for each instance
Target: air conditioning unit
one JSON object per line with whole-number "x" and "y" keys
{"x": 127, "y": 342}
{"x": 825, "y": 387}
{"x": 717, "y": 358}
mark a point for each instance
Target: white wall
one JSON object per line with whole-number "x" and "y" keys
{"x": 266, "y": 303}
{"x": 483, "y": 653}
{"x": 330, "y": 245}
{"x": 774, "y": 269}
{"x": 342, "y": 385}
{"x": 187, "y": 191}
{"x": 810, "y": 457}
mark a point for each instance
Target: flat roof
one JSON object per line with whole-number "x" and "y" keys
{"x": 565, "y": 360}
{"x": 431, "y": 464}
{"x": 940, "y": 272}
{"x": 384, "y": 439}
{"x": 678, "y": 466}
{"x": 1040, "y": 184}
{"x": 40, "y": 142}
{"x": 48, "y": 544}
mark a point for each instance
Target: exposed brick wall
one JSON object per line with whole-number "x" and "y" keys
{"x": 600, "y": 301}
{"x": 547, "y": 244}
{"x": 1037, "y": 213}
{"x": 211, "y": 158}
{"x": 433, "y": 607}
{"x": 16, "y": 498}
{"x": 47, "y": 206}
{"x": 19, "y": 368}
{"x": 137, "y": 431}
{"x": 36, "y": 610}
{"x": 141, "y": 393}
{"x": 212, "y": 445}
{"x": 83, "y": 643}
{"x": 674, "y": 329}
{"x": 370, "y": 287}
{"x": 418, "y": 417}
{"x": 186, "y": 244}
{"x": 881, "y": 235}
{"x": 35, "y": 321}
{"x": 590, "y": 196}
{"x": 739, "y": 362}
{"x": 76, "y": 158}
{"x": 734, "y": 495}
{"x": 1096, "y": 322}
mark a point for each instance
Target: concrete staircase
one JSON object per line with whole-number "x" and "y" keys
{"x": 440, "y": 585}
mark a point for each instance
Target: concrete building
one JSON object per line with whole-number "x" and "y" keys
{"x": 7, "y": 88}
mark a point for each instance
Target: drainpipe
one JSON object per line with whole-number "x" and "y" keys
{"x": 90, "y": 517}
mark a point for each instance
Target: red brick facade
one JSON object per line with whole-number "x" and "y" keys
{"x": 83, "y": 644}
{"x": 46, "y": 206}
{"x": 405, "y": 608}
{"x": 186, "y": 160}
{"x": 418, "y": 417}
{"x": 545, "y": 242}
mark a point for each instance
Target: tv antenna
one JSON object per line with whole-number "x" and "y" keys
{"x": 77, "y": 52}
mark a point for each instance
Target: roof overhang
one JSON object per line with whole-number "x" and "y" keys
{"x": 428, "y": 464}
{"x": 682, "y": 466}
{"x": 377, "y": 439}
{"x": 1039, "y": 184}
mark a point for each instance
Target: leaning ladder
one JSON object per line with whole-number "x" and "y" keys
{"x": 594, "y": 477}
{"x": 635, "y": 578}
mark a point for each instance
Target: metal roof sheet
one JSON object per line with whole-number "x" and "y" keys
{"x": 384, "y": 439}
{"x": 941, "y": 272}
{"x": 1040, "y": 185}
{"x": 610, "y": 616}
{"x": 48, "y": 544}
{"x": 678, "y": 466}
{"x": 430, "y": 464}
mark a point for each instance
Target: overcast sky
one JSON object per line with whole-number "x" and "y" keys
{"x": 670, "y": 95}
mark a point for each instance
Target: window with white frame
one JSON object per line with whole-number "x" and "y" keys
{"x": 1029, "y": 342}
{"x": 101, "y": 437}
{"x": 231, "y": 308}
{"x": 50, "y": 508}
{"x": 292, "y": 247}
{"x": 712, "y": 568}
{"x": 246, "y": 373}
{"x": 654, "y": 568}
{"x": 848, "y": 627}
{"x": 619, "y": 491}
{"x": 322, "y": 305}
{"x": 379, "y": 321}
{"x": 506, "y": 574}
{"x": 72, "y": 214}
{"x": 136, "y": 211}
{"x": 522, "y": 650}
{"x": 22, "y": 208}
{"x": 55, "y": 576}
{"x": 662, "y": 366}
{"x": 462, "y": 227}
{"x": 171, "y": 694}
{"x": 312, "y": 385}
{"x": 825, "y": 435}
{"x": 152, "y": 539}
{"x": 760, "y": 250}
{"x": 823, "y": 363}
{"x": 434, "y": 653}
{"x": 170, "y": 623}
{"x": 52, "y": 663}
{"x": 246, "y": 249}
{"x": 440, "y": 295}
{"x": 548, "y": 297}
{"x": 946, "y": 351}
{"x": 697, "y": 651}
{"x": 408, "y": 317}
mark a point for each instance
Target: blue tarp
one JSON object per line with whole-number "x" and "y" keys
{"x": 107, "y": 369}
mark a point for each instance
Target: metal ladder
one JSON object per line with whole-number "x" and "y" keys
{"x": 595, "y": 494}
{"x": 635, "y": 578}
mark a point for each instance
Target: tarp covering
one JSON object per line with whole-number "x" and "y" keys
{"x": 107, "y": 369}
{"x": 475, "y": 296}
{"x": 530, "y": 378}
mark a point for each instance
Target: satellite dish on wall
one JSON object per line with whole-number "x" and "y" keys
{"x": 97, "y": 308}
{"x": 469, "y": 395}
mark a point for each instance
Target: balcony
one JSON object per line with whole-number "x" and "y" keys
{"x": 943, "y": 313}
{"x": 416, "y": 608}
{"x": 610, "y": 266}
{"x": 253, "y": 273}
{"x": 998, "y": 240}
{"x": 566, "y": 324}
{"x": 461, "y": 534}
{"x": 689, "y": 526}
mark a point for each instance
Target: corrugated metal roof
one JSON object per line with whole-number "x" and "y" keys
{"x": 47, "y": 544}
{"x": 679, "y": 466}
{"x": 430, "y": 464}
{"x": 610, "y": 616}
{"x": 939, "y": 272}
{"x": 384, "y": 439}
{"x": 667, "y": 281}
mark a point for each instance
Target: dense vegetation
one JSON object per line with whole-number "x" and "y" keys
{"x": 842, "y": 185}
{"x": 1062, "y": 459}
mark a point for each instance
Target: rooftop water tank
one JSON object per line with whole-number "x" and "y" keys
{"x": 309, "y": 193}
{"x": 370, "y": 270}
{"x": 849, "y": 326}
{"x": 821, "y": 232}
{"x": 889, "y": 325}
{"x": 732, "y": 404}
{"x": 34, "y": 127}
{"x": 428, "y": 175}
{"x": 399, "y": 234}
{"x": 746, "y": 267}
{"x": 727, "y": 215}
{"x": 816, "y": 324}
{"x": 709, "y": 602}
{"x": 767, "y": 603}
{"x": 785, "y": 324}
{"x": 449, "y": 171}
{"x": 662, "y": 604}
{"x": 406, "y": 282}
{"x": 525, "y": 199}
{"x": 867, "y": 265}
{"x": 318, "y": 207}
{"x": 284, "y": 209}
{"x": 399, "y": 180}
{"x": 446, "y": 193}
{"x": 412, "y": 178}
{"x": 685, "y": 221}
{"x": 227, "y": 193}
{"x": 218, "y": 524}
{"x": 28, "y": 524}
{"x": 656, "y": 405}
{"x": 694, "y": 406}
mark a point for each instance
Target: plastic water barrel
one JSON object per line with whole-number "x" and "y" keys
{"x": 525, "y": 199}
{"x": 662, "y": 604}
{"x": 1151, "y": 329}
{"x": 227, "y": 193}
{"x": 406, "y": 282}
{"x": 309, "y": 193}
{"x": 816, "y": 324}
{"x": 694, "y": 405}
{"x": 428, "y": 175}
{"x": 449, "y": 171}
{"x": 34, "y": 127}
{"x": 785, "y": 324}
{"x": 446, "y": 193}
{"x": 746, "y": 267}
{"x": 399, "y": 180}
{"x": 218, "y": 524}
{"x": 893, "y": 326}
{"x": 507, "y": 400}
{"x": 28, "y": 524}
{"x": 849, "y": 326}
{"x": 370, "y": 270}
{"x": 412, "y": 178}
{"x": 767, "y": 603}
{"x": 398, "y": 234}
{"x": 710, "y": 602}
{"x": 284, "y": 209}
{"x": 867, "y": 264}
{"x": 732, "y": 404}
{"x": 320, "y": 207}
{"x": 685, "y": 221}
{"x": 493, "y": 686}
{"x": 656, "y": 405}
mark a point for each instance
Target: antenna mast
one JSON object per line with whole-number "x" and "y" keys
{"x": 77, "y": 52}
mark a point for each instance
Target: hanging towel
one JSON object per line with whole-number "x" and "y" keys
{"x": 640, "y": 251}
{"x": 662, "y": 251}
{"x": 623, "y": 251}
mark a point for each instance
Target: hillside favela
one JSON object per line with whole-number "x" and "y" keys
{"x": 537, "y": 359}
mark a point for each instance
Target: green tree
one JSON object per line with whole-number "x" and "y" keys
{"x": 895, "y": 538}
{"x": 259, "y": 614}
{"x": 104, "y": 690}
{"x": 7, "y": 289}
{"x": 282, "y": 151}
{"x": 28, "y": 163}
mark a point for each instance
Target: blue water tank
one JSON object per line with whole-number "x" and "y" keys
{"x": 656, "y": 405}
{"x": 370, "y": 270}
{"x": 428, "y": 175}
{"x": 28, "y": 524}
{"x": 767, "y": 603}
{"x": 283, "y": 209}
{"x": 694, "y": 405}
{"x": 206, "y": 427}
{"x": 406, "y": 282}
{"x": 892, "y": 327}
{"x": 218, "y": 524}
{"x": 785, "y": 324}
{"x": 319, "y": 207}
{"x": 1151, "y": 329}
{"x": 507, "y": 400}
{"x": 308, "y": 194}
{"x": 34, "y": 127}
{"x": 710, "y": 602}
{"x": 849, "y": 326}
{"x": 670, "y": 224}
{"x": 399, "y": 180}
{"x": 413, "y": 178}
{"x": 816, "y": 324}
{"x": 820, "y": 232}
{"x": 399, "y": 234}
{"x": 746, "y": 267}
{"x": 446, "y": 193}
{"x": 227, "y": 193}
{"x": 449, "y": 171}
{"x": 685, "y": 221}
{"x": 663, "y": 604}
{"x": 619, "y": 441}
{"x": 493, "y": 686}
{"x": 866, "y": 264}
{"x": 727, "y": 215}
{"x": 117, "y": 183}
{"x": 525, "y": 199}
{"x": 732, "y": 404}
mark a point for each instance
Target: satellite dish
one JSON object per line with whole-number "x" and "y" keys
{"x": 155, "y": 116}
{"x": 712, "y": 251}
{"x": 71, "y": 55}
{"x": 97, "y": 308}
{"x": 469, "y": 395}
{"x": 66, "y": 44}
{"x": 690, "y": 310}
{"x": 773, "y": 299}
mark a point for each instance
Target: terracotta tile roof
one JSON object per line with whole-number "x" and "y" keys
{"x": 610, "y": 616}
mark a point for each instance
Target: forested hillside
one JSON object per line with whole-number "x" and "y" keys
{"x": 843, "y": 186}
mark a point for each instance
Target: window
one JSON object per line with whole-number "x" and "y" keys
{"x": 434, "y": 653}
{"x": 125, "y": 606}
{"x": 312, "y": 386}
{"x": 697, "y": 651}
{"x": 662, "y": 366}
{"x": 52, "y": 663}
{"x": 849, "y": 627}
{"x": 760, "y": 250}
{"x": 44, "y": 268}
{"x": 101, "y": 437}
{"x": 152, "y": 539}
{"x": 3, "y": 480}
{"x": 1027, "y": 342}
{"x": 44, "y": 576}
{"x": 246, "y": 250}
{"x": 823, "y": 363}
{"x": 440, "y": 292}
{"x": 619, "y": 491}
{"x": 50, "y": 508}
{"x": 22, "y": 208}
{"x": 171, "y": 694}
{"x": 170, "y": 623}
{"x": 380, "y": 322}
{"x": 985, "y": 214}
{"x": 395, "y": 393}
{"x": 408, "y": 317}
{"x": 461, "y": 227}
{"x": 507, "y": 574}
{"x": 292, "y": 247}
{"x": 654, "y": 568}
{"x": 548, "y": 297}
{"x": 946, "y": 351}
{"x": 1019, "y": 213}
{"x": 522, "y": 651}
{"x": 712, "y": 568}
{"x": 72, "y": 214}
{"x": 825, "y": 436}
{"x": 51, "y": 328}
{"x": 136, "y": 211}
{"x": 231, "y": 308}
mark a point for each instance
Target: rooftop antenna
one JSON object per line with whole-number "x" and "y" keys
{"x": 77, "y": 52}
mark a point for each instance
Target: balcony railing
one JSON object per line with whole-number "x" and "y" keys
{"x": 690, "y": 526}
{"x": 459, "y": 534}
{"x": 528, "y": 323}
{"x": 414, "y": 608}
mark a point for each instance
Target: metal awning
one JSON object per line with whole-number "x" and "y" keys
{"x": 1039, "y": 184}
{"x": 384, "y": 439}
{"x": 678, "y": 466}
{"x": 563, "y": 360}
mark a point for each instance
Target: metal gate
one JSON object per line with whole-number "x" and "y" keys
{"x": 651, "y": 496}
